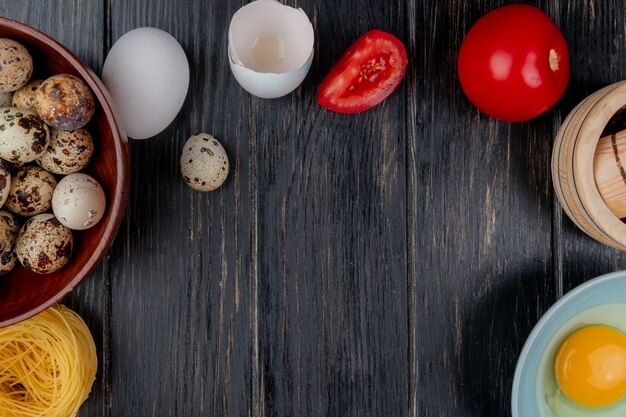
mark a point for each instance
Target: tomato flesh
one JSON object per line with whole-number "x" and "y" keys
{"x": 513, "y": 63}
{"x": 365, "y": 75}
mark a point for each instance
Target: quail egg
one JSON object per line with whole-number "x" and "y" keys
{"x": 23, "y": 135}
{"x": 68, "y": 151}
{"x": 31, "y": 191}
{"x": 16, "y": 65}
{"x": 5, "y": 182}
{"x": 78, "y": 201}
{"x": 24, "y": 98}
{"x": 6, "y": 98}
{"x": 65, "y": 102}
{"x": 9, "y": 228}
{"x": 43, "y": 244}
{"x": 204, "y": 162}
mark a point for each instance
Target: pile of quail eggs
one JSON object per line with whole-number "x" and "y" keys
{"x": 43, "y": 146}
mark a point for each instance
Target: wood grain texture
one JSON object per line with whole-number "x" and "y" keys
{"x": 182, "y": 275}
{"x": 63, "y": 20}
{"x": 481, "y": 199}
{"x": 390, "y": 263}
{"x": 332, "y": 259}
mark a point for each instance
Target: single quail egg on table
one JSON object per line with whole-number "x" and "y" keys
{"x": 24, "y": 98}
{"x": 204, "y": 162}
{"x": 31, "y": 191}
{"x": 65, "y": 102}
{"x": 17, "y": 65}
{"x": 23, "y": 135}
{"x": 68, "y": 151}
{"x": 78, "y": 201}
{"x": 270, "y": 47}
{"x": 9, "y": 229}
{"x": 43, "y": 244}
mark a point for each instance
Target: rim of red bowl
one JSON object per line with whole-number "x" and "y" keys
{"x": 122, "y": 181}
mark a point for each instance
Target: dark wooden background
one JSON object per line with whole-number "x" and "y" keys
{"x": 390, "y": 263}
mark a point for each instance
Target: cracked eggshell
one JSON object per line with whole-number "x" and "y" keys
{"x": 78, "y": 201}
{"x": 9, "y": 228}
{"x": 68, "y": 151}
{"x": 147, "y": 74}
{"x": 43, "y": 244}
{"x": 17, "y": 65}
{"x": 270, "y": 48}
{"x": 204, "y": 162}
{"x": 23, "y": 135}
{"x": 31, "y": 191}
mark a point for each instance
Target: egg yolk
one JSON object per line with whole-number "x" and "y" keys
{"x": 590, "y": 366}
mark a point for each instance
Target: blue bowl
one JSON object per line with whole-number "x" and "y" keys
{"x": 601, "y": 300}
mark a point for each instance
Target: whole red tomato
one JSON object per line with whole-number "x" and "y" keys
{"x": 513, "y": 63}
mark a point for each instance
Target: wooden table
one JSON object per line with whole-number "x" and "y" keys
{"x": 390, "y": 263}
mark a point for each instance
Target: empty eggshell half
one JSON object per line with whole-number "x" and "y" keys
{"x": 270, "y": 48}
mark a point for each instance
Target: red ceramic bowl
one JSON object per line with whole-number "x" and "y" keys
{"x": 24, "y": 293}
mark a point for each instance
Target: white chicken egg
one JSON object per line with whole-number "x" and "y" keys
{"x": 78, "y": 201}
{"x": 147, "y": 75}
{"x": 270, "y": 48}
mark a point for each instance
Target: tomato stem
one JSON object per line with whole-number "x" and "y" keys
{"x": 554, "y": 60}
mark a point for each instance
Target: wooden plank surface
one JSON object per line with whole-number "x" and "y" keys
{"x": 183, "y": 271}
{"x": 332, "y": 249}
{"x": 390, "y": 263}
{"x": 481, "y": 204}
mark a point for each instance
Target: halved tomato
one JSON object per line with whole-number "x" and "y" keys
{"x": 365, "y": 75}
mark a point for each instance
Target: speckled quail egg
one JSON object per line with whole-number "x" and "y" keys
{"x": 44, "y": 244}
{"x": 5, "y": 182}
{"x": 23, "y": 135}
{"x": 24, "y": 98}
{"x": 9, "y": 228}
{"x": 204, "y": 162}
{"x": 31, "y": 191}
{"x": 65, "y": 102}
{"x": 68, "y": 151}
{"x": 6, "y": 98}
{"x": 16, "y": 65}
{"x": 78, "y": 201}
